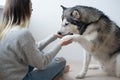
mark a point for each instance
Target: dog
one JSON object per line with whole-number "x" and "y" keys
{"x": 96, "y": 33}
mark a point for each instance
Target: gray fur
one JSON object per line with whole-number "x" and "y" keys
{"x": 99, "y": 35}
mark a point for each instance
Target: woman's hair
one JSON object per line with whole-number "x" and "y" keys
{"x": 15, "y": 12}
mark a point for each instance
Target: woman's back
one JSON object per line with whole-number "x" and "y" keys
{"x": 12, "y": 59}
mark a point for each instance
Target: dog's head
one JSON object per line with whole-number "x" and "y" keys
{"x": 76, "y": 19}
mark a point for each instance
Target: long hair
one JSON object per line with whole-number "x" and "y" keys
{"x": 15, "y": 12}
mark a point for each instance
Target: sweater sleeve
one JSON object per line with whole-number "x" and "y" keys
{"x": 42, "y": 44}
{"x": 33, "y": 56}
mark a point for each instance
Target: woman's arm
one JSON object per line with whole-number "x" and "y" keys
{"x": 42, "y": 44}
{"x": 31, "y": 55}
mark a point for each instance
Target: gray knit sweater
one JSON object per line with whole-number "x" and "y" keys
{"x": 18, "y": 50}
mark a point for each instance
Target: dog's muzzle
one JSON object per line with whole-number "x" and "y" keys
{"x": 69, "y": 33}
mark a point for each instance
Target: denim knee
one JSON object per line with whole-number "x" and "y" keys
{"x": 61, "y": 61}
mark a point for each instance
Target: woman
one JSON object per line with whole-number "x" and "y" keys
{"x": 18, "y": 49}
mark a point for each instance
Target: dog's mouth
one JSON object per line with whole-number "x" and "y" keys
{"x": 62, "y": 34}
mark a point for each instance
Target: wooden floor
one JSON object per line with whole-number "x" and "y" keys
{"x": 96, "y": 74}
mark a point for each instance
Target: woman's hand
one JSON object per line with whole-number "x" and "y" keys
{"x": 58, "y": 36}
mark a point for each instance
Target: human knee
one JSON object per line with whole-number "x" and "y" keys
{"x": 60, "y": 60}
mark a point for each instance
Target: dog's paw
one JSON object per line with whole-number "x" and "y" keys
{"x": 94, "y": 66}
{"x": 80, "y": 75}
{"x": 67, "y": 37}
{"x": 74, "y": 37}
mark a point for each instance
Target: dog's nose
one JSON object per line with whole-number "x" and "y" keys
{"x": 60, "y": 33}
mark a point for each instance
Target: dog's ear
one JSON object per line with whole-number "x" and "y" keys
{"x": 75, "y": 14}
{"x": 64, "y": 8}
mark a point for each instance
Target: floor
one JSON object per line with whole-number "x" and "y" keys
{"x": 95, "y": 74}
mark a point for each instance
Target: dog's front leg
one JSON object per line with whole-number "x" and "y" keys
{"x": 87, "y": 44}
{"x": 87, "y": 59}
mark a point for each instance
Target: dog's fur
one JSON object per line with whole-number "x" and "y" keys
{"x": 98, "y": 35}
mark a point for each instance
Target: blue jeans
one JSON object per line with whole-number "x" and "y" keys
{"x": 55, "y": 68}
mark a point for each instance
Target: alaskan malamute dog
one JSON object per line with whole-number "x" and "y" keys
{"x": 98, "y": 35}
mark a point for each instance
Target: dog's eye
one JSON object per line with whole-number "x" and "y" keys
{"x": 66, "y": 24}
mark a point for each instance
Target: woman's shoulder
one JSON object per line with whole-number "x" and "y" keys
{"x": 25, "y": 36}
{"x": 21, "y": 33}
{"x": 24, "y": 32}
{"x": 19, "y": 30}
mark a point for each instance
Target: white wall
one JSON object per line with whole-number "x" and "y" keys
{"x": 2, "y": 2}
{"x": 1, "y": 7}
{"x": 46, "y": 19}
